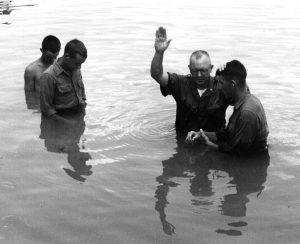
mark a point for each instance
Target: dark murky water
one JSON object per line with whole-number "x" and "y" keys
{"x": 121, "y": 175}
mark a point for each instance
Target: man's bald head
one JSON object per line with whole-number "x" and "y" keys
{"x": 200, "y": 54}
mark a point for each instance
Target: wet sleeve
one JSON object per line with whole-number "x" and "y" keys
{"x": 47, "y": 94}
{"x": 173, "y": 87}
{"x": 244, "y": 134}
{"x": 83, "y": 93}
{"x": 222, "y": 135}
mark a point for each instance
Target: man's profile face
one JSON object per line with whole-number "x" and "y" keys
{"x": 200, "y": 69}
{"x": 75, "y": 62}
{"x": 226, "y": 86}
{"x": 48, "y": 56}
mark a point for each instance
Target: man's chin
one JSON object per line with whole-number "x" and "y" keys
{"x": 48, "y": 62}
{"x": 201, "y": 84}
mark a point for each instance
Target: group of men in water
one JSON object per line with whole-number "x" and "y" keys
{"x": 201, "y": 99}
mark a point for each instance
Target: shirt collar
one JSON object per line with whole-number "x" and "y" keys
{"x": 239, "y": 103}
{"x": 58, "y": 70}
{"x": 207, "y": 91}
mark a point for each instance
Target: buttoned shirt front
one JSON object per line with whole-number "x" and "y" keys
{"x": 247, "y": 129}
{"x": 60, "y": 90}
{"x": 195, "y": 112}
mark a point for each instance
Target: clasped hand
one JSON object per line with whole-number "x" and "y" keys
{"x": 193, "y": 136}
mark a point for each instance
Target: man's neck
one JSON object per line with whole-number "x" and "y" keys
{"x": 44, "y": 63}
{"x": 203, "y": 86}
{"x": 62, "y": 64}
{"x": 240, "y": 96}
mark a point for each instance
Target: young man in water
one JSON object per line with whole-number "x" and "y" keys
{"x": 199, "y": 102}
{"x": 247, "y": 129}
{"x": 50, "y": 50}
{"x": 62, "y": 89}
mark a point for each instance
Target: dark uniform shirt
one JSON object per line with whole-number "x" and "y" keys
{"x": 60, "y": 90}
{"x": 195, "y": 112}
{"x": 247, "y": 129}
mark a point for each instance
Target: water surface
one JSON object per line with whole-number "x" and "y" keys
{"x": 122, "y": 175}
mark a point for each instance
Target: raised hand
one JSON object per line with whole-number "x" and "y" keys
{"x": 161, "y": 42}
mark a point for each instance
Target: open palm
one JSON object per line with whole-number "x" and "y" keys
{"x": 161, "y": 42}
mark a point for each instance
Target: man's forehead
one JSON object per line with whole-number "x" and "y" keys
{"x": 51, "y": 53}
{"x": 203, "y": 61}
{"x": 220, "y": 78}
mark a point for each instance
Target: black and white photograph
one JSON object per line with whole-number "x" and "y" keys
{"x": 149, "y": 122}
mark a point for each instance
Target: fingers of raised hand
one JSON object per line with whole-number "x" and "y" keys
{"x": 161, "y": 34}
{"x": 168, "y": 42}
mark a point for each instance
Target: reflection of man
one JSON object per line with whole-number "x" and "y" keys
{"x": 199, "y": 104}
{"x": 61, "y": 138}
{"x": 50, "y": 50}
{"x": 62, "y": 88}
{"x": 248, "y": 175}
{"x": 181, "y": 165}
{"x": 203, "y": 170}
{"x": 247, "y": 129}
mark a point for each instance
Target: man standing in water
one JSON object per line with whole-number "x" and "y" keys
{"x": 50, "y": 50}
{"x": 247, "y": 130}
{"x": 199, "y": 102}
{"x": 62, "y": 89}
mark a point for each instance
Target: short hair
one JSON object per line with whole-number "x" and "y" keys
{"x": 234, "y": 70}
{"x": 199, "y": 53}
{"x": 74, "y": 47}
{"x": 51, "y": 43}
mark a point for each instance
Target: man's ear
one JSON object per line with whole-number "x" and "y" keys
{"x": 233, "y": 83}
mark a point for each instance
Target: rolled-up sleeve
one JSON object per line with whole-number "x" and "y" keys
{"x": 83, "y": 93}
{"x": 173, "y": 87}
{"x": 243, "y": 136}
{"x": 47, "y": 94}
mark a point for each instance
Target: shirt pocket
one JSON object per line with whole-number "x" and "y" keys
{"x": 64, "y": 88}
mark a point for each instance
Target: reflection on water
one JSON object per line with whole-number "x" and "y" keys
{"x": 129, "y": 128}
{"x": 7, "y": 6}
{"x": 203, "y": 166}
{"x": 62, "y": 137}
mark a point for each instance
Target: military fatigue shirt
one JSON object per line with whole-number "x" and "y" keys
{"x": 247, "y": 129}
{"x": 195, "y": 112}
{"x": 60, "y": 90}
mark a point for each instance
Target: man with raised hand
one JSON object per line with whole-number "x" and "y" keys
{"x": 247, "y": 129}
{"x": 199, "y": 102}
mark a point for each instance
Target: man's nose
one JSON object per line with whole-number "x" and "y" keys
{"x": 199, "y": 74}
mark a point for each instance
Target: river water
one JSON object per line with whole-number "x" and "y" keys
{"x": 122, "y": 175}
